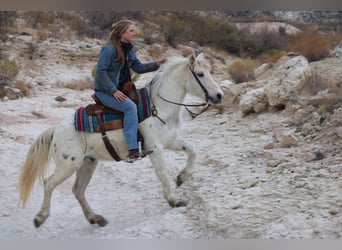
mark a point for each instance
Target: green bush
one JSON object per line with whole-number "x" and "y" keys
{"x": 8, "y": 69}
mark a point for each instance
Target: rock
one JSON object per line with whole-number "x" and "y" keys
{"x": 333, "y": 211}
{"x": 269, "y": 170}
{"x": 60, "y": 99}
{"x": 272, "y": 163}
{"x": 287, "y": 141}
{"x": 326, "y": 97}
{"x": 261, "y": 69}
{"x": 11, "y": 93}
{"x": 337, "y": 52}
{"x": 318, "y": 155}
{"x": 253, "y": 101}
{"x": 269, "y": 146}
{"x": 284, "y": 81}
{"x": 339, "y": 131}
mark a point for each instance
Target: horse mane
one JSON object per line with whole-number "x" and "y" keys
{"x": 163, "y": 72}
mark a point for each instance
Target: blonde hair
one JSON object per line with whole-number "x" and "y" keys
{"x": 118, "y": 29}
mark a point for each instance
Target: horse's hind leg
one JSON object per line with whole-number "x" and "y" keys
{"x": 83, "y": 176}
{"x": 60, "y": 174}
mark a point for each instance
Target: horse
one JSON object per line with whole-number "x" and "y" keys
{"x": 75, "y": 151}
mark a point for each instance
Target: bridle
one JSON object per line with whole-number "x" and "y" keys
{"x": 206, "y": 103}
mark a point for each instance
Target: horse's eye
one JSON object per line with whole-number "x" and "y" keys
{"x": 200, "y": 74}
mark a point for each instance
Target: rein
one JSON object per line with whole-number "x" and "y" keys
{"x": 155, "y": 113}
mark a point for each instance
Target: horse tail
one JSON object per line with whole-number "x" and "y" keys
{"x": 35, "y": 165}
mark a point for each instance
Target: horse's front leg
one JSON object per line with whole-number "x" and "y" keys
{"x": 180, "y": 145}
{"x": 169, "y": 192}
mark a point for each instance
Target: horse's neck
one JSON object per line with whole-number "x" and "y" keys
{"x": 172, "y": 89}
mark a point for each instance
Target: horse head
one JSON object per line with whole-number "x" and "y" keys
{"x": 201, "y": 83}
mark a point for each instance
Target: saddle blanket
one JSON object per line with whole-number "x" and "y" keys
{"x": 88, "y": 123}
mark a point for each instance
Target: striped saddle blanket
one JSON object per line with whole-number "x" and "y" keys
{"x": 90, "y": 123}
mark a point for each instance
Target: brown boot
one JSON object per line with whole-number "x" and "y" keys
{"x": 133, "y": 155}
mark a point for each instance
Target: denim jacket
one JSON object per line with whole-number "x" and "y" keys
{"x": 108, "y": 68}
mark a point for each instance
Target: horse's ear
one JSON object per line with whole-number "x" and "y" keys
{"x": 192, "y": 59}
{"x": 198, "y": 52}
{"x": 194, "y": 55}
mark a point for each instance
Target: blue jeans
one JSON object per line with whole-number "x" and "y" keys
{"x": 130, "y": 121}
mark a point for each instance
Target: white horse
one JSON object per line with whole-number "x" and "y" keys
{"x": 79, "y": 152}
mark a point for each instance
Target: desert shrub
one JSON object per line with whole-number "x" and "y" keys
{"x": 42, "y": 35}
{"x": 79, "y": 25}
{"x": 254, "y": 45}
{"x": 313, "y": 46}
{"x": 182, "y": 27}
{"x": 313, "y": 82}
{"x": 25, "y": 89}
{"x": 31, "y": 50}
{"x": 242, "y": 70}
{"x": 270, "y": 56}
{"x": 94, "y": 32}
{"x": 8, "y": 69}
{"x": 40, "y": 19}
{"x": 6, "y": 19}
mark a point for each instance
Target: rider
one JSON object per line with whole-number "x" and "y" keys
{"x": 116, "y": 59}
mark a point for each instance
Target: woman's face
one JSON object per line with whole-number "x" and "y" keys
{"x": 129, "y": 34}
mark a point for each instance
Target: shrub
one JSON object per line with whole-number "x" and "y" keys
{"x": 31, "y": 50}
{"x": 242, "y": 70}
{"x": 8, "y": 69}
{"x": 313, "y": 82}
{"x": 270, "y": 56}
{"x": 313, "y": 46}
{"x": 25, "y": 89}
{"x": 40, "y": 19}
{"x": 79, "y": 25}
{"x": 42, "y": 35}
{"x": 6, "y": 19}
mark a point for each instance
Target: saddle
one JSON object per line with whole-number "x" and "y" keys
{"x": 99, "y": 110}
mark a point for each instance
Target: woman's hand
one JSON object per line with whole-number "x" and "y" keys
{"x": 119, "y": 96}
{"x": 161, "y": 61}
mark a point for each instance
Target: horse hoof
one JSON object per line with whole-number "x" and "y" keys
{"x": 179, "y": 181}
{"x": 178, "y": 204}
{"x": 103, "y": 222}
{"x": 37, "y": 223}
{"x": 181, "y": 204}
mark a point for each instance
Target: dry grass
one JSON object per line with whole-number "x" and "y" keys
{"x": 25, "y": 89}
{"x": 42, "y": 34}
{"x": 313, "y": 46}
{"x": 242, "y": 70}
{"x": 271, "y": 56}
{"x": 313, "y": 82}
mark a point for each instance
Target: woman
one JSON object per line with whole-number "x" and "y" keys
{"x": 116, "y": 59}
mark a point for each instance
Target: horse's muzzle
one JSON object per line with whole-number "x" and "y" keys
{"x": 217, "y": 99}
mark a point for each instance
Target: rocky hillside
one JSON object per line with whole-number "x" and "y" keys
{"x": 321, "y": 18}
